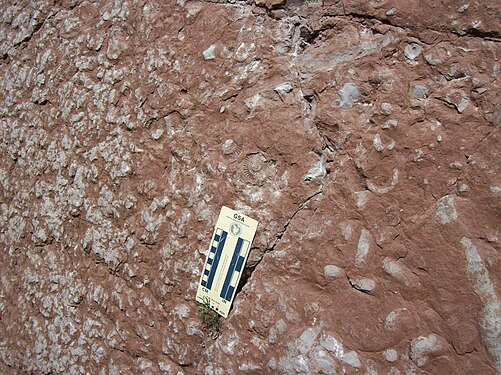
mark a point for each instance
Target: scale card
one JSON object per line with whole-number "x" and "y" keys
{"x": 228, "y": 251}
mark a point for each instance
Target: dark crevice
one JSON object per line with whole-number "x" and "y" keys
{"x": 269, "y": 9}
{"x": 309, "y": 36}
{"x": 248, "y": 271}
{"x": 358, "y": 289}
{"x": 369, "y": 17}
{"x": 330, "y": 143}
{"x": 402, "y": 256}
{"x": 360, "y": 171}
{"x": 484, "y": 138}
{"x": 230, "y": 96}
{"x": 246, "y": 274}
{"x": 422, "y": 269}
{"x": 281, "y": 233}
{"x": 494, "y": 36}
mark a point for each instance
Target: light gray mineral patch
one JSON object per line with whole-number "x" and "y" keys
{"x": 391, "y": 12}
{"x": 479, "y": 90}
{"x": 210, "y": 53}
{"x": 446, "y": 212}
{"x": 419, "y": 92}
{"x": 362, "y": 248}
{"x": 391, "y": 145}
{"x": 390, "y": 322}
{"x": 400, "y": 272}
{"x": 423, "y": 346}
{"x": 229, "y": 147}
{"x": 332, "y": 345}
{"x": 362, "y": 198}
{"x": 272, "y": 364}
{"x": 432, "y": 60}
{"x": 306, "y": 340}
{"x": 351, "y": 359}
{"x": 495, "y": 190}
{"x": 156, "y": 134}
{"x": 380, "y": 190}
{"x": 333, "y": 271}
{"x": 364, "y": 285}
{"x": 376, "y": 142}
{"x": 248, "y": 367}
{"x": 182, "y": 311}
{"x": 390, "y": 124}
{"x": 348, "y": 95}
{"x": 347, "y": 231}
{"x": 386, "y": 109}
{"x": 253, "y": 101}
{"x": 412, "y": 51}
{"x": 295, "y": 365}
{"x": 390, "y": 355}
{"x": 322, "y": 362}
{"x": 490, "y": 319}
{"x": 317, "y": 171}
{"x": 458, "y": 99}
{"x": 283, "y": 88}
{"x": 463, "y": 188}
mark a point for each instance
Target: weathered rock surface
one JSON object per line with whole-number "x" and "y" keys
{"x": 363, "y": 135}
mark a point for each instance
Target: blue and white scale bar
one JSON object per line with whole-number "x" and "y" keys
{"x": 214, "y": 257}
{"x": 235, "y": 268}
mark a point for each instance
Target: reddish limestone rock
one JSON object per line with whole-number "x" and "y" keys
{"x": 363, "y": 136}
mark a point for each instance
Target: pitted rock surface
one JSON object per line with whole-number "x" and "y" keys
{"x": 364, "y": 136}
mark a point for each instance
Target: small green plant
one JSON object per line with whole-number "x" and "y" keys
{"x": 209, "y": 318}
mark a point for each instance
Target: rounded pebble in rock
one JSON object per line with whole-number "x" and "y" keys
{"x": 390, "y": 355}
{"x": 412, "y": 51}
{"x": 458, "y": 99}
{"x": 495, "y": 190}
{"x": 157, "y": 134}
{"x": 351, "y": 359}
{"x": 283, "y": 88}
{"x": 446, "y": 211}
{"x": 390, "y": 124}
{"x": 348, "y": 95}
{"x": 423, "y": 346}
{"x": 322, "y": 362}
{"x": 386, "y": 109}
{"x": 364, "y": 285}
{"x": 419, "y": 92}
{"x": 390, "y": 323}
{"x": 331, "y": 270}
{"x": 248, "y": 367}
{"x": 432, "y": 61}
{"x": 209, "y": 53}
{"x": 282, "y": 48}
{"x": 228, "y": 147}
{"x": 463, "y": 188}
{"x": 391, "y": 12}
{"x": 376, "y": 142}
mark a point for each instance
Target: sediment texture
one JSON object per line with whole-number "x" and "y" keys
{"x": 364, "y": 136}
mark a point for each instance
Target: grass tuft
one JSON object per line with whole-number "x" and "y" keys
{"x": 209, "y": 318}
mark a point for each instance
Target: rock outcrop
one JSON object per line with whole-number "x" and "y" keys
{"x": 364, "y": 136}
